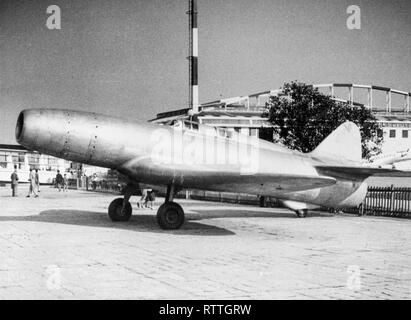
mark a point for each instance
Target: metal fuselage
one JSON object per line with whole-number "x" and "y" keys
{"x": 166, "y": 155}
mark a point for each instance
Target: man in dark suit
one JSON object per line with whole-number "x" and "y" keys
{"x": 14, "y": 182}
{"x": 59, "y": 180}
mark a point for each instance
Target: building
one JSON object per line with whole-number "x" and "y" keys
{"x": 248, "y": 114}
{"x": 16, "y": 155}
{"x": 241, "y": 114}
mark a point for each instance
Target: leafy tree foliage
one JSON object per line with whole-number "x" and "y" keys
{"x": 304, "y": 117}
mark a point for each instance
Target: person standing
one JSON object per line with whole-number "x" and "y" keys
{"x": 30, "y": 191}
{"x": 149, "y": 199}
{"x": 14, "y": 182}
{"x": 37, "y": 180}
{"x": 65, "y": 183}
{"x": 142, "y": 202}
{"x": 59, "y": 180}
{"x": 32, "y": 184}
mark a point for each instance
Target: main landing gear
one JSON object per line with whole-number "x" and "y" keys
{"x": 170, "y": 215}
{"x": 120, "y": 209}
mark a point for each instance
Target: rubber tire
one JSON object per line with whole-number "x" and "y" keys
{"x": 114, "y": 210}
{"x": 301, "y": 213}
{"x": 170, "y": 216}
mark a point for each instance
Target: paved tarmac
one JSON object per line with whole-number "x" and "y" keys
{"x": 63, "y": 246}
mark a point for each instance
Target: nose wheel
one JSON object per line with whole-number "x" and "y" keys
{"x": 120, "y": 209}
{"x": 119, "y": 212}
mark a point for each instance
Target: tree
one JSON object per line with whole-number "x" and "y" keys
{"x": 304, "y": 117}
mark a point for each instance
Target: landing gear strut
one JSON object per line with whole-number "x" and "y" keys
{"x": 120, "y": 209}
{"x": 170, "y": 215}
{"x": 302, "y": 213}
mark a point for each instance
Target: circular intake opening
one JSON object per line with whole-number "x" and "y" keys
{"x": 19, "y": 126}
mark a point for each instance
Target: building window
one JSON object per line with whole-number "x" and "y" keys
{"x": 392, "y": 133}
{"x": 253, "y": 132}
{"x": 34, "y": 161}
{"x": 16, "y": 160}
{"x": 3, "y": 160}
{"x": 220, "y": 132}
{"x": 266, "y": 134}
{"x": 405, "y": 133}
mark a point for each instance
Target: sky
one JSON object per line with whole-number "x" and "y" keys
{"x": 128, "y": 58}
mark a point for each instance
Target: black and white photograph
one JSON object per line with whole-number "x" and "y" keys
{"x": 205, "y": 150}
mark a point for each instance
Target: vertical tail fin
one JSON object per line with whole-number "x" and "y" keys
{"x": 343, "y": 143}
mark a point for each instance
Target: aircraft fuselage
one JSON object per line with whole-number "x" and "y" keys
{"x": 190, "y": 159}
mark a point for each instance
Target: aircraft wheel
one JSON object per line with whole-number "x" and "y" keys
{"x": 170, "y": 215}
{"x": 302, "y": 213}
{"x": 116, "y": 212}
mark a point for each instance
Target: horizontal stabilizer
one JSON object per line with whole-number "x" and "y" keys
{"x": 360, "y": 173}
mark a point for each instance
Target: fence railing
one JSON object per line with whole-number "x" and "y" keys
{"x": 388, "y": 201}
{"x": 385, "y": 201}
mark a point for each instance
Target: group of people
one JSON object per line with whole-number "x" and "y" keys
{"x": 147, "y": 199}
{"x": 34, "y": 182}
{"x": 61, "y": 181}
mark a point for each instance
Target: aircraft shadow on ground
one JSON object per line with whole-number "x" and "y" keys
{"x": 139, "y": 222}
{"x": 143, "y": 222}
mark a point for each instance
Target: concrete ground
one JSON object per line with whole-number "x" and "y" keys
{"x": 63, "y": 246}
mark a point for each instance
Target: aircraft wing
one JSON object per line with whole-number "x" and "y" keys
{"x": 221, "y": 178}
{"x": 256, "y": 183}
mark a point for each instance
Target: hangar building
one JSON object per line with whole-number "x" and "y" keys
{"x": 246, "y": 114}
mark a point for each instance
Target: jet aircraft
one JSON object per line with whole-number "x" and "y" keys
{"x": 330, "y": 176}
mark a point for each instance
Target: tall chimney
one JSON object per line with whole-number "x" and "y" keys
{"x": 193, "y": 57}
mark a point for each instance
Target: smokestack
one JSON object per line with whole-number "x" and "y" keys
{"x": 193, "y": 57}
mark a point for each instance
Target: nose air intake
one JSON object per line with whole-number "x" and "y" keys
{"x": 80, "y": 136}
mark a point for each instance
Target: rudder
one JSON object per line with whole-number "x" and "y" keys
{"x": 343, "y": 143}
